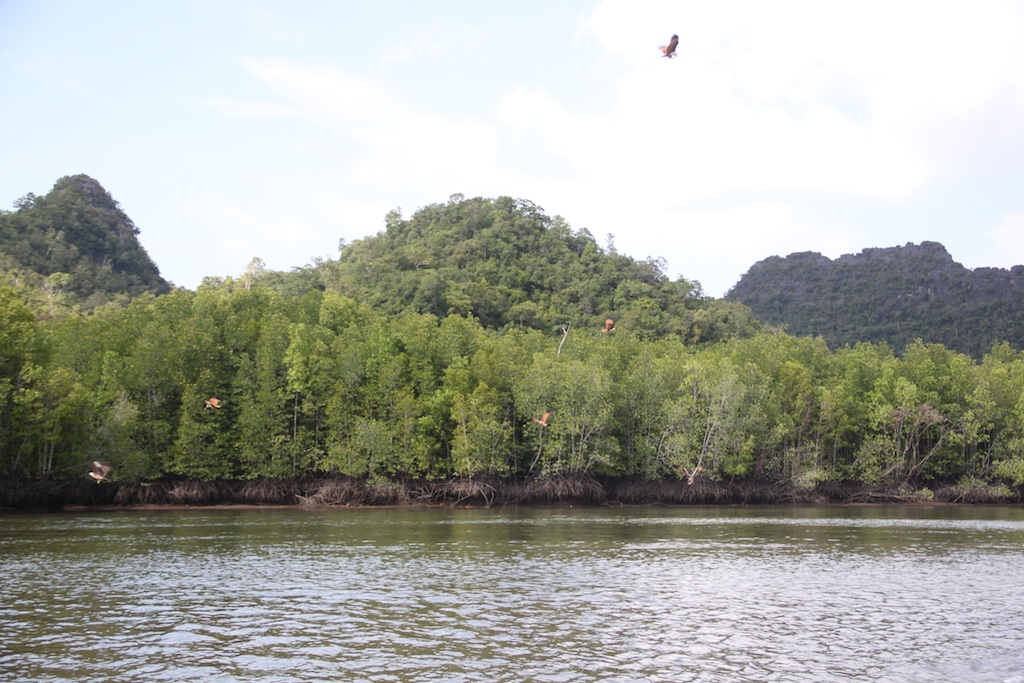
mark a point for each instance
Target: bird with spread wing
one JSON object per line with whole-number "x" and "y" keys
{"x": 99, "y": 471}
{"x": 670, "y": 49}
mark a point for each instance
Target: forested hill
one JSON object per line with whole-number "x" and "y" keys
{"x": 434, "y": 351}
{"x": 892, "y": 295}
{"x": 75, "y": 246}
{"x": 505, "y": 262}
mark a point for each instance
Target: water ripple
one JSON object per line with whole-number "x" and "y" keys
{"x": 507, "y": 596}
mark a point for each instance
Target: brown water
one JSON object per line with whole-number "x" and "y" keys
{"x": 708, "y": 594}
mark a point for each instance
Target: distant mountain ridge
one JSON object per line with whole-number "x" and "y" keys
{"x": 895, "y": 295}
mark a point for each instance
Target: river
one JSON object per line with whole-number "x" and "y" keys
{"x": 916, "y": 593}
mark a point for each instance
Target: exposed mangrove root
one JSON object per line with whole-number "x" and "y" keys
{"x": 669, "y": 492}
{"x": 559, "y": 488}
{"x": 194, "y": 493}
{"x": 384, "y": 492}
{"x": 550, "y": 490}
{"x": 345, "y": 492}
{"x": 469, "y": 492}
{"x": 978, "y": 493}
{"x": 891, "y": 494}
{"x": 268, "y": 491}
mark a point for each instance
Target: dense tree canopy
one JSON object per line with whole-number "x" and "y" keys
{"x": 74, "y": 246}
{"x": 431, "y": 351}
{"x": 893, "y": 295}
{"x": 505, "y": 262}
{"x": 322, "y": 383}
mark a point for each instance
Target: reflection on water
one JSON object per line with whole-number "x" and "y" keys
{"x": 709, "y": 594}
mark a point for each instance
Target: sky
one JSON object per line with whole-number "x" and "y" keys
{"x": 235, "y": 129}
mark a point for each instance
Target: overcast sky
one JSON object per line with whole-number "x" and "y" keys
{"x": 230, "y": 129}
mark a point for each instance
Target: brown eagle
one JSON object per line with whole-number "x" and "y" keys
{"x": 670, "y": 49}
{"x": 99, "y": 471}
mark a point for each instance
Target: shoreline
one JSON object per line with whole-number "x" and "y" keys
{"x": 558, "y": 491}
{"x": 171, "y": 507}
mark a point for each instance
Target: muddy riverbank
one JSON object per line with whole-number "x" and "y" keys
{"x": 347, "y": 491}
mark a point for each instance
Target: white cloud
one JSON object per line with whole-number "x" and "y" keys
{"x": 876, "y": 101}
{"x": 1008, "y": 237}
{"x": 676, "y": 134}
{"x": 238, "y": 229}
{"x": 712, "y": 245}
{"x": 862, "y": 92}
{"x": 60, "y": 76}
{"x": 247, "y": 109}
{"x": 704, "y": 159}
{"x": 436, "y": 42}
{"x": 397, "y": 135}
{"x": 325, "y": 92}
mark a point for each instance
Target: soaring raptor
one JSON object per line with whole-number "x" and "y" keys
{"x": 670, "y": 49}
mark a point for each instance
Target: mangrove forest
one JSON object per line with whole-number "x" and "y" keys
{"x": 478, "y": 350}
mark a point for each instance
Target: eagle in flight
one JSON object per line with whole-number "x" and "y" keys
{"x": 99, "y": 471}
{"x": 670, "y": 49}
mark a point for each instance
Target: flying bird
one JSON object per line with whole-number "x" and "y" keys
{"x": 670, "y": 49}
{"x": 609, "y": 325}
{"x": 543, "y": 421}
{"x": 690, "y": 475}
{"x": 99, "y": 471}
{"x": 212, "y": 402}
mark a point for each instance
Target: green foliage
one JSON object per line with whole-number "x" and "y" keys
{"x": 481, "y": 435}
{"x": 433, "y": 349}
{"x": 74, "y": 248}
{"x": 893, "y": 295}
{"x": 17, "y": 328}
{"x": 317, "y": 382}
{"x": 17, "y": 348}
{"x": 578, "y": 394}
{"x": 1011, "y": 470}
{"x": 265, "y": 444}
{"x": 710, "y": 421}
{"x": 507, "y": 264}
{"x": 202, "y": 447}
